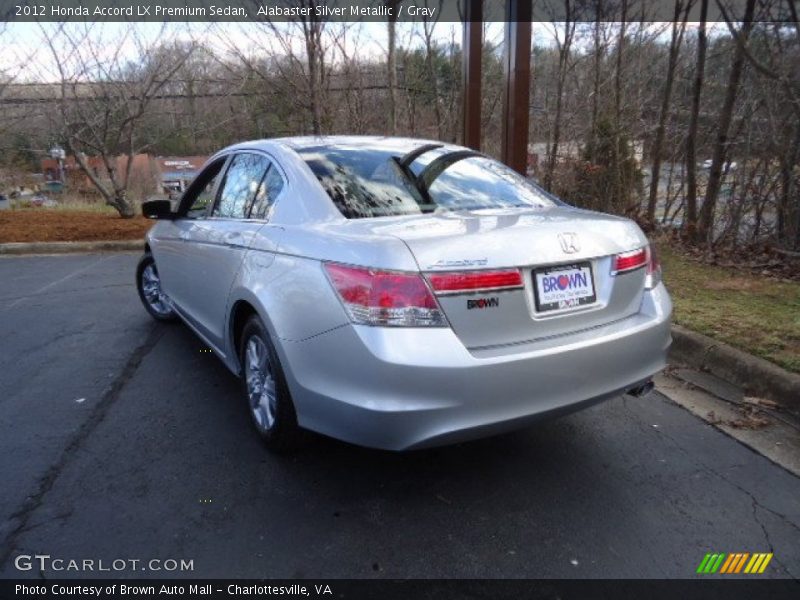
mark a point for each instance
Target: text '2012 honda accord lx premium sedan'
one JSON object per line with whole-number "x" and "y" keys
{"x": 398, "y": 293}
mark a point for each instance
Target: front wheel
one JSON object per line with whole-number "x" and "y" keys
{"x": 148, "y": 283}
{"x": 268, "y": 399}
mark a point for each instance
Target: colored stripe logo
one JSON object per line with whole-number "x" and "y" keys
{"x": 736, "y": 562}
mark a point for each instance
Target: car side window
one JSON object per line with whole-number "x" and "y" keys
{"x": 240, "y": 185}
{"x": 267, "y": 192}
{"x": 200, "y": 194}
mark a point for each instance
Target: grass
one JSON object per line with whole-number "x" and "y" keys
{"x": 68, "y": 204}
{"x": 757, "y": 314}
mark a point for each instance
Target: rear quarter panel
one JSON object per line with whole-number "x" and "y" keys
{"x": 293, "y": 296}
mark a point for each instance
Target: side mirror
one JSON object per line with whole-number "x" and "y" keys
{"x": 158, "y": 209}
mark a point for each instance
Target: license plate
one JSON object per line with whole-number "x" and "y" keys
{"x": 564, "y": 287}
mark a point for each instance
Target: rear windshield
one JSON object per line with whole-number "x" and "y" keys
{"x": 366, "y": 183}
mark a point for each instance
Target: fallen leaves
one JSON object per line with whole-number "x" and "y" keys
{"x": 751, "y": 418}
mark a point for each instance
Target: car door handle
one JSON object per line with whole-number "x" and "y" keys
{"x": 233, "y": 238}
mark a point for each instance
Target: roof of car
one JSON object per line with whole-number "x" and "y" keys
{"x": 367, "y": 141}
{"x": 399, "y": 145}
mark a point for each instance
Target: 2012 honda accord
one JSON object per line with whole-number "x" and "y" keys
{"x": 399, "y": 293}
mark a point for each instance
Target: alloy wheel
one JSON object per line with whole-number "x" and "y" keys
{"x": 261, "y": 388}
{"x": 153, "y": 294}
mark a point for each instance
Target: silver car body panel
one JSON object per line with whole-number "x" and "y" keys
{"x": 418, "y": 388}
{"x": 400, "y": 388}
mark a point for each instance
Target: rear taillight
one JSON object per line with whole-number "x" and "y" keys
{"x": 636, "y": 259}
{"x": 470, "y": 281}
{"x": 630, "y": 261}
{"x": 387, "y": 298}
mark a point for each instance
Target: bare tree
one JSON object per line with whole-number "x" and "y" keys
{"x": 104, "y": 93}
{"x": 564, "y": 48}
{"x": 600, "y": 85}
{"x": 315, "y": 56}
{"x": 706, "y": 223}
{"x": 598, "y": 51}
{"x": 690, "y": 223}
{"x": 296, "y": 55}
{"x": 427, "y": 35}
{"x": 777, "y": 68}
{"x": 391, "y": 64}
{"x": 618, "y": 75}
{"x": 353, "y": 85}
{"x": 678, "y": 29}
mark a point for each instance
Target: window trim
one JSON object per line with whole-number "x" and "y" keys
{"x": 218, "y": 196}
{"x": 261, "y": 181}
{"x": 282, "y": 174}
{"x": 272, "y": 162}
{"x": 268, "y": 217}
{"x": 184, "y": 206}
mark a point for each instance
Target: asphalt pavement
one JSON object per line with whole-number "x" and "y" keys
{"x": 122, "y": 439}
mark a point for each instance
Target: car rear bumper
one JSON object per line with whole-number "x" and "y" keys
{"x": 406, "y": 388}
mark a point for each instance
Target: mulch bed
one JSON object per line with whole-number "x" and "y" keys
{"x": 42, "y": 225}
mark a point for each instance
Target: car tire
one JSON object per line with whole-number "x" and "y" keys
{"x": 148, "y": 283}
{"x": 268, "y": 400}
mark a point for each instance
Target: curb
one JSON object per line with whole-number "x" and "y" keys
{"x": 67, "y": 247}
{"x": 756, "y": 376}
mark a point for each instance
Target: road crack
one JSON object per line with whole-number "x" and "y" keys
{"x": 714, "y": 472}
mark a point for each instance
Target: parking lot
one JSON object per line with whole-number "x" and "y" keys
{"x": 122, "y": 438}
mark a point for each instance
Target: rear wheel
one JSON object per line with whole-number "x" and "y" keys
{"x": 148, "y": 283}
{"x": 268, "y": 400}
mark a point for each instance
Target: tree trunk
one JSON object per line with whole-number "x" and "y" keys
{"x": 563, "y": 63}
{"x": 674, "y": 49}
{"x": 620, "y": 186}
{"x": 596, "y": 84}
{"x": 796, "y": 245}
{"x": 690, "y": 222}
{"x": 433, "y": 79}
{"x": 311, "y": 31}
{"x": 392, "y": 68}
{"x": 118, "y": 199}
{"x": 706, "y": 223}
{"x": 787, "y": 214}
{"x": 122, "y": 203}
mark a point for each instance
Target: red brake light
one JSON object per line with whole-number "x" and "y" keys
{"x": 373, "y": 297}
{"x": 475, "y": 280}
{"x": 628, "y": 261}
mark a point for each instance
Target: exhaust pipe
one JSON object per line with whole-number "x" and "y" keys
{"x": 641, "y": 390}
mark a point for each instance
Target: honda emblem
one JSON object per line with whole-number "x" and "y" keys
{"x": 569, "y": 242}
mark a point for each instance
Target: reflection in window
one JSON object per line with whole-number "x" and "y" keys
{"x": 369, "y": 182}
{"x": 205, "y": 196}
{"x": 266, "y": 194}
{"x": 477, "y": 182}
{"x": 367, "y": 185}
{"x": 240, "y": 185}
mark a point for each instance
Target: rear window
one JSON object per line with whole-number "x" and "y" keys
{"x": 369, "y": 182}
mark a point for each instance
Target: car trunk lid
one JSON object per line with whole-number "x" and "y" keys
{"x": 557, "y": 243}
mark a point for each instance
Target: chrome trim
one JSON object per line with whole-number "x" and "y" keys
{"x": 504, "y": 288}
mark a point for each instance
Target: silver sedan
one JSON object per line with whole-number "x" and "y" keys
{"x": 398, "y": 293}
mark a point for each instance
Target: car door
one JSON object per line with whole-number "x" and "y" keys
{"x": 175, "y": 267}
{"x": 215, "y": 246}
